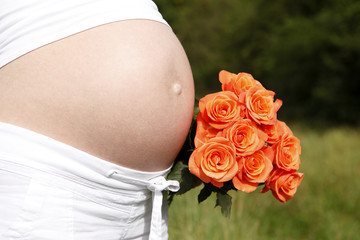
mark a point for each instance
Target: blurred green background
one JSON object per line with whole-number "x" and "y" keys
{"x": 308, "y": 52}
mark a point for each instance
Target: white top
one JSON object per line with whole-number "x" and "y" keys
{"x": 29, "y": 24}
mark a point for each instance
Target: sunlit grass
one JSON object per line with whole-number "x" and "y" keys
{"x": 324, "y": 207}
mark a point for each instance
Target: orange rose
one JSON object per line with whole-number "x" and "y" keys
{"x": 246, "y": 136}
{"x": 287, "y": 151}
{"x": 253, "y": 169}
{"x": 260, "y": 105}
{"x": 221, "y": 109}
{"x": 214, "y": 161}
{"x": 204, "y": 131}
{"x": 274, "y": 132}
{"x": 237, "y": 83}
{"x": 283, "y": 184}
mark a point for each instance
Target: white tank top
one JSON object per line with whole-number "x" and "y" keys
{"x": 26, "y": 25}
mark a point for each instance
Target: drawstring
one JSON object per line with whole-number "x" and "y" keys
{"x": 156, "y": 186}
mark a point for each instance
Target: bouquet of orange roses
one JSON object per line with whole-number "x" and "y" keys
{"x": 239, "y": 144}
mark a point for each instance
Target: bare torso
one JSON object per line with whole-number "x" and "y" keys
{"x": 122, "y": 92}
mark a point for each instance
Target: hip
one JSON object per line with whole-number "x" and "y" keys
{"x": 51, "y": 189}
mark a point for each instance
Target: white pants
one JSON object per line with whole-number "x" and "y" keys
{"x": 49, "y": 190}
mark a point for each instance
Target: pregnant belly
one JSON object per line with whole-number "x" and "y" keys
{"x": 122, "y": 92}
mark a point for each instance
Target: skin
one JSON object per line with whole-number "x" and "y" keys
{"x": 122, "y": 92}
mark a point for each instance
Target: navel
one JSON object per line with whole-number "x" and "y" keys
{"x": 177, "y": 89}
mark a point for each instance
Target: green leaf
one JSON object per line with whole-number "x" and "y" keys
{"x": 176, "y": 171}
{"x": 180, "y": 172}
{"x": 204, "y": 193}
{"x": 188, "y": 181}
{"x": 224, "y": 201}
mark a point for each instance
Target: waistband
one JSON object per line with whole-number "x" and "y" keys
{"x": 25, "y": 147}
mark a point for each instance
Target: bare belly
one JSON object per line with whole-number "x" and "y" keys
{"x": 122, "y": 92}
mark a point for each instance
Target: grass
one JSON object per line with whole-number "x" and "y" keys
{"x": 324, "y": 207}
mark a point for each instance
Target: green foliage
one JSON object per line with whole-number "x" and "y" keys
{"x": 224, "y": 201}
{"x": 308, "y": 51}
{"x": 180, "y": 172}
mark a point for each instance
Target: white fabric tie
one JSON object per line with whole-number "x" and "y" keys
{"x": 156, "y": 186}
